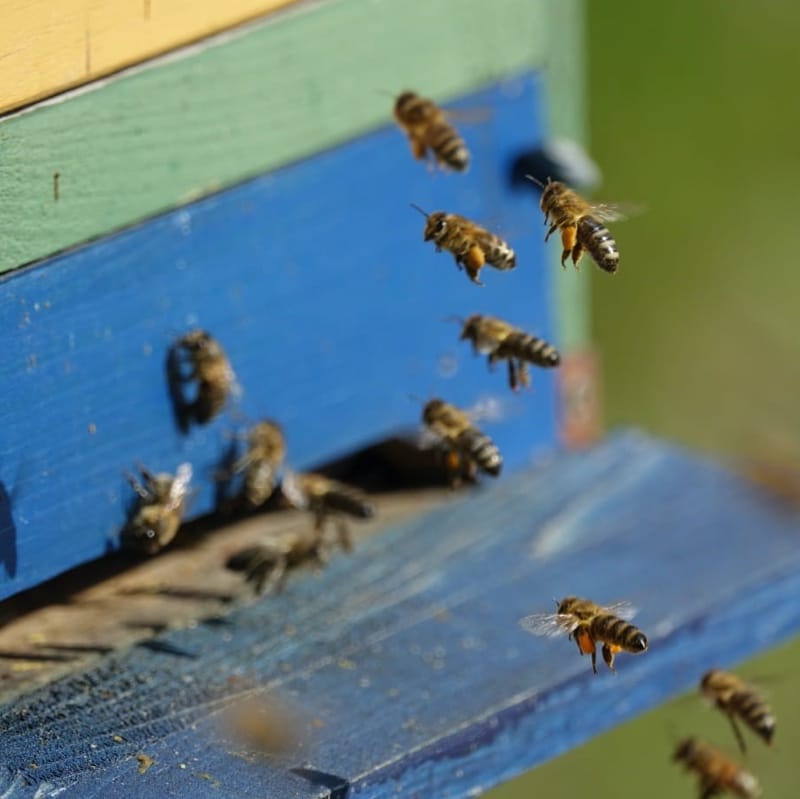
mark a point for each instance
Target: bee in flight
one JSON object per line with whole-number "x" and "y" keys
{"x": 471, "y": 245}
{"x": 715, "y": 771}
{"x": 467, "y": 448}
{"x": 590, "y": 624}
{"x": 501, "y": 341}
{"x": 159, "y": 511}
{"x": 580, "y": 223}
{"x": 737, "y": 698}
{"x": 260, "y": 464}
{"x": 208, "y": 368}
{"x": 429, "y": 132}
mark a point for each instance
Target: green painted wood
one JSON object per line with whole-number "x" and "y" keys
{"x": 565, "y": 76}
{"x": 244, "y": 103}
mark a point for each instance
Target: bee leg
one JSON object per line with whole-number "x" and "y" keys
{"x": 524, "y": 377}
{"x": 452, "y": 464}
{"x": 709, "y": 787}
{"x": 569, "y": 238}
{"x": 512, "y": 375}
{"x": 553, "y": 229}
{"x": 418, "y": 149}
{"x": 738, "y": 733}
{"x": 577, "y": 252}
{"x": 473, "y": 261}
{"x": 343, "y": 535}
{"x": 594, "y": 661}
{"x": 608, "y": 657}
{"x": 141, "y": 491}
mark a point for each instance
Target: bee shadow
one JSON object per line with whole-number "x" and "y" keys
{"x": 8, "y": 534}
{"x": 183, "y": 407}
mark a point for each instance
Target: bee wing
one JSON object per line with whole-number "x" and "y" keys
{"x": 180, "y": 485}
{"x": 624, "y": 610}
{"x": 427, "y": 438}
{"x": 615, "y": 212}
{"x": 549, "y": 625}
{"x": 493, "y": 408}
{"x": 468, "y": 115}
{"x": 293, "y": 491}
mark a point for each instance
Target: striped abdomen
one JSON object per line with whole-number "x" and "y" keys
{"x": 596, "y": 239}
{"x": 447, "y": 146}
{"x": 617, "y": 632}
{"x": 482, "y": 450}
{"x": 346, "y": 501}
{"x": 497, "y": 253}
{"x": 754, "y": 712}
{"x": 529, "y": 348}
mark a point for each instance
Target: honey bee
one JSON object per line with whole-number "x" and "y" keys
{"x": 265, "y": 565}
{"x": 590, "y": 624}
{"x": 715, "y": 771}
{"x": 467, "y": 448}
{"x": 580, "y": 223}
{"x": 734, "y": 697}
{"x": 158, "y": 514}
{"x": 471, "y": 245}
{"x": 429, "y": 133}
{"x": 261, "y": 462}
{"x": 502, "y": 341}
{"x": 208, "y": 368}
{"x": 327, "y": 499}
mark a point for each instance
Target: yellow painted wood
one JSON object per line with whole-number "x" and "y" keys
{"x": 47, "y": 46}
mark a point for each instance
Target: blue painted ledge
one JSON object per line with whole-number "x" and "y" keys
{"x": 408, "y": 654}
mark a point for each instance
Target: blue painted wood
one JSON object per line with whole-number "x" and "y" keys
{"x": 316, "y": 281}
{"x": 409, "y": 654}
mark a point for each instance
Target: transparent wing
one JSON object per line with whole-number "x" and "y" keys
{"x": 293, "y": 491}
{"x": 549, "y": 625}
{"x": 622, "y": 609}
{"x": 180, "y": 485}
{"x": 615, "y": 212}
{"x": 427, "y": 439}
{"x": 494, "y": 408}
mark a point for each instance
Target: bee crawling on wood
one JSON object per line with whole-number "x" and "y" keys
{"x": 471, "y": 245}
{"x": 159, "y": 511}
{"x": 738, "y": 699}
{"x": 501, "y": 341}
{"x": 716, "y": 772}
{"x": 259, "y": 466}
{"x": 467, "y": 449}
{"x": 580, "y": 223}
{"x": 429, "y": 132}
{"x": 197, "y": 357}
{"x": 589, "y": 624}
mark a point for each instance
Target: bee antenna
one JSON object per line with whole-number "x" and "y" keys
{"x": 424, "y": 213}
{"x": 416, "y": 398}
{"x": 536, "y": 181}
{"x": 454, "y": 318}
{"x": 386, "y": 93}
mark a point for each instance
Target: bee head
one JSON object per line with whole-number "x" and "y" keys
{"x": 431, "y": 409}
{"x": 708, "y": 679}
{"x": 436, "y": 226}
{"x": 565, "y": 605}
{"x": 684, "y": 749}
{"x": 196, "y": 340}
{"x": 403, "y": 101}
{"x": 470, "y": 329}
{"x": 140, "y": 538}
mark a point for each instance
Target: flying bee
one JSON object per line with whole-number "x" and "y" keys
{"x": 429, "y": 132}
{"x": 261, "y": 462}
{"x": 327, "y": 499}
{"x": 590, "y": 624}
{"x": 265, "y": 565}
{"x": 471, "y": 245}
{"x": 715, "y": 771}
{"x": 735, "y": 697}
{"x": 580, "y": 223}
{"x": 208, "y": 368}
{"x": 466, "y": 448}
{"x": 501, "y": 341}
{"x": 159, "y": 511}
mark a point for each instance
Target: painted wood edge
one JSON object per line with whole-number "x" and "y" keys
{"x": 184, "y": 126}
{"x": 49, "y": 46}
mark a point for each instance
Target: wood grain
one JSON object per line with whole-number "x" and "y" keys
{"x": 331, "y": 308}
{"x": 406, "y": 661}
{"x": 156, "y": 137}
{"x": 47, "y": 46}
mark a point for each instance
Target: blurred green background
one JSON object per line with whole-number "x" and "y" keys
{"x": 693, "y": 112}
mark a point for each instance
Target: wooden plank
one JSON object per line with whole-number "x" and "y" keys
{"x": 331, "y": 308}
{"x": 47, "y": 46}
{"x": 147, "y": 140}
{"x": 407, "y": 657}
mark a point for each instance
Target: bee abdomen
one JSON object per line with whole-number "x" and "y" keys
{"x": 619, "y": 632}
{"x": 531, "y": 349}
{"x": 599, "y": 243}
{"x": 449, "y": 147}
{"x": 210, "y": 400}
{"x": 482, "y": 450}
{"x": 350, "y": 503}
{"x": 755, "y": 713}
{"x": 500, "y": 255}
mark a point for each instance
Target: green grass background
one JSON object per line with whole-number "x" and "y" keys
{"x": 694, "y": 112}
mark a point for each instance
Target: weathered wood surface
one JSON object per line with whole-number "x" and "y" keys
{"x": 47, "y": 46}
{"x": 331, "y": 308}
{"x": 147, "y": 140}
{"x": 407, "y": 656}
